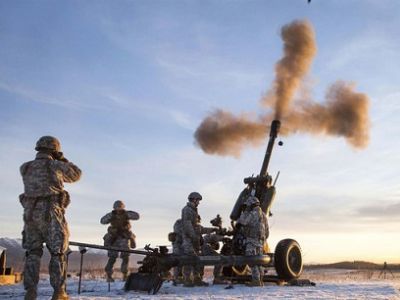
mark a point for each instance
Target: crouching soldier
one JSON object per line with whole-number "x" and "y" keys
{"x": 119, "y": 235}
{"x": 175, "y": 238}
{"x": 44, "y": 201}
{"x": 254, "y": 225}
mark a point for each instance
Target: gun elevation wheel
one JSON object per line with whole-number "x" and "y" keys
{"x": 288, "y": 260}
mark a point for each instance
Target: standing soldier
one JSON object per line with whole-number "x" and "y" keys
{"x": 175, "y": 238}
{"x": 44, "y": 201}
{"x": 119, "y": 235}
{"x": 254, "y": 225}
{"x": 191, "y": 240}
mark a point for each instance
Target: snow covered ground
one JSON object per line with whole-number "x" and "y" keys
{"x": 340, "y": 287}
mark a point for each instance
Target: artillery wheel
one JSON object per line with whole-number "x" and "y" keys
{"x": 288, "y": 260}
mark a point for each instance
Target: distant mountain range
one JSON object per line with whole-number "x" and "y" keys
{"x": 96, "y": 259}
{"x": 354, "y": 265}
{"x": 93, "y": 260}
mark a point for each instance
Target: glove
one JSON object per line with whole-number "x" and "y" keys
{"x": 59, "y": 156}
{"x": 196, "y": 245}
{"x": 223, "y": 231}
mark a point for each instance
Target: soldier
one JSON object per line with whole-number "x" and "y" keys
{"x": 191, "y": 240}
{"x": 44, "y": 201}
{"x": 119, "y": 235}
{"x": 254, "y": 225}
{"x": 176, "y": 238}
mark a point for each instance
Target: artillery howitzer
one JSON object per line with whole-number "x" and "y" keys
{"x": 287, "y": 258}
{"x": 157, "y": 263}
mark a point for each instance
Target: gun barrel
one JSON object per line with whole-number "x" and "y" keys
{"x": 273, "y": 134}
{"x": 235, "y": 260}
{"x": 109, "y": 248}
{"x": 174, "y": 260}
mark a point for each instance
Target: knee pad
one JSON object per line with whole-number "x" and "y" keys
{"x": 37, "y": 252}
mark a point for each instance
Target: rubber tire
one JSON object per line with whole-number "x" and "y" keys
{"x": 288, "y": 259}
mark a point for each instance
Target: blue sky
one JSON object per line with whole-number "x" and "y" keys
{"x": 124, "y": 85}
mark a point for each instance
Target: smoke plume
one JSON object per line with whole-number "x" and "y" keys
{"x": 299, "y": 49}
{"x": 223, "y": 133}
{"x": 344, "y": 113}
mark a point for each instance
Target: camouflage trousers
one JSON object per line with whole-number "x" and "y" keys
{"x": 190, "y": 273}
{"x": 178, "y": 250}
{"x": 44, "y": 222}
{"x": 254, "y": 247}
{"x": 122, "y": 243}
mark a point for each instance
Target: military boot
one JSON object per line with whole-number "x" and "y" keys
{"x": 60, "y": 295}
{"x": 124, "y": 276}
{"x": 199, "y": 282}
{"x": 31, "y": 294}
{"x": 255, "y": 282}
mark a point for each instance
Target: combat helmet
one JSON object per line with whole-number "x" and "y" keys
{"x": 49, "y": 143}
{"x": 119, "y": 205}
{"x": 194, "y": 195}
{"x": 252, "y": 200}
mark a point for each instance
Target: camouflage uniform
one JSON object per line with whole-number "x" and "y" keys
{"x": 44, "y": 202}
{"x": 192, "y": 236}
{"x": 177, "y": 248}
{"x": 190, "y": 239}
{"x": 119, "y": 235}
{"x": 253, "y": 221}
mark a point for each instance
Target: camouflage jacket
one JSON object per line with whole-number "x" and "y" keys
{"x": 189, "y": 221}
{"x": 119, "y": 222}
{"x": 254, "y": 223}
{"x": 200, "y": 230}
{"x": 178, "y": 232}
{"x": 45, "y": 176}
{"x": 211, "y": 240}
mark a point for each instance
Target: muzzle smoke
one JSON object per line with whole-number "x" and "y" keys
{"x": 344, "y": 112}
{"x": 299, "y": 49}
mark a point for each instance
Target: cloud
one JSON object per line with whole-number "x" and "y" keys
{"x": 209, "y": 69}
{"x": 40, "y": 97}
{"x": 365, "y": 48}
{"x": 381, "y": 212}
{"x": 104, "y": 100}
{"x": 31, "y": 95}
{"x": 182, "y": 119}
